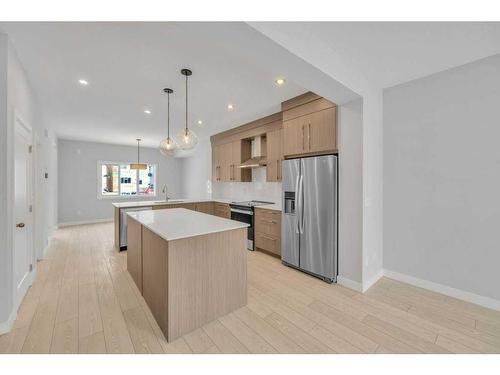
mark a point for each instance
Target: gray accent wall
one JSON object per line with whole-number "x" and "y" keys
{"x": 442, "y": 178}
{"x": 77, "y": 188}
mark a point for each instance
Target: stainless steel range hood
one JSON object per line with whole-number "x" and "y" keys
{"x": 258, "y": 158}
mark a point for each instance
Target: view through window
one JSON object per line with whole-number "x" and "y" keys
{"x": 119, "y": 180}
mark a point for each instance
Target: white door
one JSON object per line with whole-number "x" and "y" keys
{"x": 23, "y": 231}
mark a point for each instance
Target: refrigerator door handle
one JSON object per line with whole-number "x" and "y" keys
{"x": 297, "y": 199}
{"x": 301, "y": 197}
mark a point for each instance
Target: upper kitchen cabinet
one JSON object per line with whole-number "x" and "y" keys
{"x": 216, "y": 162}
{"x": 226, "y": 161}
{"x": 241, "y": 150}
{"x": 232, "y": 149}
{"x": 274, "y": 155}
{"x": 309, "y": 126}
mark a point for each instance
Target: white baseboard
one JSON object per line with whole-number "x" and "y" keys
{"x": 444, "y": 289}
{"x": 7, "y": 326}
{"x": 348, "y": 283}
{"x": 95, "y": 221}
{"x": 369, "y": 283}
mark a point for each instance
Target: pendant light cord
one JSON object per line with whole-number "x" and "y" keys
{"x": 138, "y": 159}
{"x": 168, "y": 116}
{"x": 186, "y": 105}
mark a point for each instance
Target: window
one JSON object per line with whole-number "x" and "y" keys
{"x": 118, "y": 180}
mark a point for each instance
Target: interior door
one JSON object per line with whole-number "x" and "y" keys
{"x": 318, "y": 230}
{"x": 23, "y": 232}
{"x": 289, "y": 223}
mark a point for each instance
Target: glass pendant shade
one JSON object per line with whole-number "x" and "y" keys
{"x": 168, "y": 147}
{"x": 187, "y": 139}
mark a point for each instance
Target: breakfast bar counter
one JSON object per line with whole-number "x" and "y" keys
{"x": 190, "y": 267}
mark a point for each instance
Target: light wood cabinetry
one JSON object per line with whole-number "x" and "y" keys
{"x": 274, "y": 155}
{"x": 226, "y": 159}
{"x": 310, "y": 128}
{"x": 217, "y": 162}
{"x": 134, "y": 251}
{"x": 306, "y": 126}
{"x": 268, "y": 230}
{"x": 222, "y": 210}
{"x": 205, "y": 207}
{"x": 240, "y": 151}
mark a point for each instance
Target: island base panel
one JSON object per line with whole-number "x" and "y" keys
{"x": 190, "y": 282}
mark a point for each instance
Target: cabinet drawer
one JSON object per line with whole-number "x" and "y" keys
{"x": 268, "y": 225}
{"x": 268, "y": 214}
{"x": 268, "y": 243}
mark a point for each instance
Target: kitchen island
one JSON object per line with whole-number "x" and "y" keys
{"x": 190, "y": 267}
{"x": 218, "y": 207}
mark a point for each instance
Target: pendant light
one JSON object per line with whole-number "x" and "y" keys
{"x": 168, "y": 146}
{"x": 138, "y": 165}
{"x": 187, "y": 138}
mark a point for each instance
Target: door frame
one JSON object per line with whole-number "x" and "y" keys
{"x": 21, "y": 125}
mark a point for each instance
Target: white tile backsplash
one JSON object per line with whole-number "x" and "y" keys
{"x": 258, "y": 189}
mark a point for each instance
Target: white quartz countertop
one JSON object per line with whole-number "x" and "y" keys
{"x": 178, "y": 223}
{"x": 158, "y": 202}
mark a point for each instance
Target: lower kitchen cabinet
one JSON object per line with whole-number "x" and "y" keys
{"x": 268, "y": 230}
{"x": 222, "y": 210}
{"x": 205, "y": 207}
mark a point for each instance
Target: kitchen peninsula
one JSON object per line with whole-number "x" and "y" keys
{"x": 190, "y": 267}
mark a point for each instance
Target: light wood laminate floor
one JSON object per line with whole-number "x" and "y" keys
{"x": 84, "y": 301}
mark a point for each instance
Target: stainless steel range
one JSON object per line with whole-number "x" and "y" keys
{"x": 244, "y": 212}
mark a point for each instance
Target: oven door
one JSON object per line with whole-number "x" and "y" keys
{"x": 245, "y": 216}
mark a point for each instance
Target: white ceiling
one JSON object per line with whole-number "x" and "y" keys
{"x": 384, "y": 54}
{"x": 127, "y": 66}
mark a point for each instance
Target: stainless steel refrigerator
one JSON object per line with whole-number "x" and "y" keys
{"x": 309, "y": 218}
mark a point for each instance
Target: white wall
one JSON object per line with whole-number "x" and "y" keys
{"x": 16, "y": 96}
{"x": 350, "y": 136}
{"x": 373, "y": 222}
{"x": 77, "y": 186}
{"x": 197, "y": 177}
{"x": 442, "y": 178}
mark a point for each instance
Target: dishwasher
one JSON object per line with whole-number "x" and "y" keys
{"x": 123, "y": 224}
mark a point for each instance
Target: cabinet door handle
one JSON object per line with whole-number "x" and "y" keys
{"x": 309, "y": 135}
{"x": 303, "y": 136}
{"x": 20, "y": 225}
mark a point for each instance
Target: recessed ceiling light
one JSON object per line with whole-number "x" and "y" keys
{"x": 83, "y": 82}
{"x": 230, "y": 107}
{"x": 280, "y": 81}
{"x": 147, "y": 111}
{"x": 200, "y": 122}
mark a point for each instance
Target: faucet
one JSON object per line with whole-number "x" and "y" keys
{"x": 164, "y": 190}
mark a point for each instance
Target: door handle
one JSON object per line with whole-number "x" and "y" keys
{"x": 309, "y": 135}
{"x": 297, "y": 199}
{"x": 301, "y": 201}
{"x": 303, "y": 137}
{"x": 20, "y": 225}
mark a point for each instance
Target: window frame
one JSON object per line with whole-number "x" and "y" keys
{"x": 100, "y": 163}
